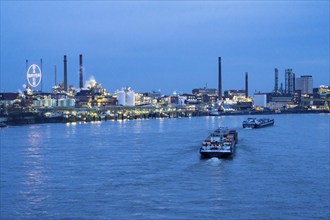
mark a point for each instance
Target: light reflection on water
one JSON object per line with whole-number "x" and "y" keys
{"x": 161, "y": 125}
{"x": 35, "y": 173}
{"x": 137, "y": 127}
{"x": 148, "y": 169}
{"x": 71, "y": 129}
{"x": 35, "y": 137}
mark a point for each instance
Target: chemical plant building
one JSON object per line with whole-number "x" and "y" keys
{"x": 205, "y": 95}
{"x": 297, "y": 94}
{"x": 305, "y": 84}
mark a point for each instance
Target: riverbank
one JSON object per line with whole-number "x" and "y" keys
{"x": 78, "y": 115}
{"x": 288, "y": 111}
{"x": 70, "y": 116}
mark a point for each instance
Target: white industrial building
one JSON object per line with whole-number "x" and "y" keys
{"x": 260, "y": 100}
{"x": 126, "y": 97}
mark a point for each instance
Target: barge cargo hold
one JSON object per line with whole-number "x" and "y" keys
{"x": 220, "y": 143}
{"x": 257, "y": 123}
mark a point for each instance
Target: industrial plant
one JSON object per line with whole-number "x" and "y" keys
{"x": 90, "y": 101}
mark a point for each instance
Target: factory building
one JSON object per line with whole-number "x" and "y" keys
{"x": 94, "y": 95}
{"x": 204, "y": 91}
{"x": 232, "y": 93}
{"x": 8, "y": 98}
{"x": 305, "y": 84}
{"x": 278, "y": 101}
{"x": 260, "y": 100}
{"x": 321, "y": 97}
{"x": 323, "y": 91}
{"x": 205, "y": 95}
{"x": 190, "y": 98}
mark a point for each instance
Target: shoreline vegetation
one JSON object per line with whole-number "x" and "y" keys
{"x": 42, "y": 116}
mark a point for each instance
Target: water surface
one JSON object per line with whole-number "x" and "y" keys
{"x": 151, "y": 169}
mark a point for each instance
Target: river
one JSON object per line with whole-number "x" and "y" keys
{"x": 151, "y": 169}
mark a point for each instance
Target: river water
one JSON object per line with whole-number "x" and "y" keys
{"x": 151, "y": 169}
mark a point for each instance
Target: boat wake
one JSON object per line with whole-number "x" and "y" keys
{"x": 214, "y": 161}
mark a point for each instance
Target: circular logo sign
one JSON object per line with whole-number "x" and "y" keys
{"x": 33, "y": 75}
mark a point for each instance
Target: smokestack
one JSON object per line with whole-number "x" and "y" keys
{"x": 80, "y": 71}
{"x": 246, "y": 85}
{"x": 220, "y": 81}
{"x": 55, "y": 74}
{"x": 65, "y": 75}
{"x": 276, "y": 81}
{"x": 41, "y": 72}
{"x": 27, "y": 67}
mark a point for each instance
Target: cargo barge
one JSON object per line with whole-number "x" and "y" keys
{"x": 257, "y": 123}
{"x": 220, "y": 143}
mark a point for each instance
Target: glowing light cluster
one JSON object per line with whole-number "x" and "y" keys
{"x": 33, "y": 75}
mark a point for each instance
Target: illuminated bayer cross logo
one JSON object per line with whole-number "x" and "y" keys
{"x": 33, "y": 75}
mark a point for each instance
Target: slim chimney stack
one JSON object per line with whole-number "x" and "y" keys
{"x": 55, "y": 75}
{"x": 65, "y": 75}
{"x": 80, "y": 71}
{"x": 220, "y": 81}
{"x": 276, "y": 81}
{"x": 246, "y": 85}
{"x": 41, "y": 72}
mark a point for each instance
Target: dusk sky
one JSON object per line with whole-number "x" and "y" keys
{"x": 168, "y": 46}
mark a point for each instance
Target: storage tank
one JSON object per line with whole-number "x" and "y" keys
{"x": 130, "y": 97}
{"x": 61, "y": 102}
{"x": 121, "y": 97}
{"x": 69, "y": 103}
{"x": 49, "y": 102}
{"x": 36, "y": 103}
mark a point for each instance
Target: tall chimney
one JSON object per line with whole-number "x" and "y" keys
{"x": 246, "y": 85}
{"x": 41, "y": 72}
{"x": 27, "y": 67}
{"x": 65, "y": 75}
{"x": 55, "y": 75}
{"x": 80, "y": 71}
{"x": 220, "y": 81}
{"x": 276, "y": 81}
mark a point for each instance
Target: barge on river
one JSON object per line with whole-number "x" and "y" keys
{"x": 220, "y": 143}
{"x": 257, "y": 123}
